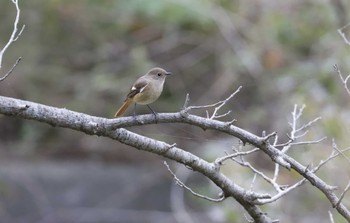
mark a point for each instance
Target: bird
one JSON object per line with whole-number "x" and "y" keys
{"x": 145, "y": 90}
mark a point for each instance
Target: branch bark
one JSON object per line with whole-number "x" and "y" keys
{"x": 114, "y": 129}
{"x": 111, "y": 128}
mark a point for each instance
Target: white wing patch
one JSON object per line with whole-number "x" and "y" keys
{"x": 142, "y": 88}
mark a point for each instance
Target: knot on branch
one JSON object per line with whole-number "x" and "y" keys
{"x": 23, "y": 107}
{"x": 168, "y": 147}
{"x": 228, "y": 124}
{"x": 93, "y": 126}
{"x": 184, "y": 112}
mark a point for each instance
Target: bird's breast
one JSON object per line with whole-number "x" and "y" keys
{"x": 149, "y": 94}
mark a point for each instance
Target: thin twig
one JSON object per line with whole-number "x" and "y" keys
{"x": 308, "y": 124}
{"x": 284, "y": 144}
{"x": 223, "y": 103}
{"x": 333, "y": 155}
{"x": 344, "y": 81}
{"x": 221, "y": 160}
{"x": 296, "y": 133}
{"x": 13, "y": 38}
{"x": 217, "y": 105}
{"x": 308, "y": 142}
{"x": 267, "y": 137}
{"x": 253, "y": 182}
{"x": 223, "y": 115}
{"x": 342, "y": 34}
{"x": 276, "y": 172}
{"x": 281, "y": 193}
{"x": 334, "y": 145}
{"x": 242, "y": 162}
{"x": 15, "y": 34}
{"x": 181, "y": 184}
{"x": 10, "y": 71}
{"x": 331, "y": 216}
{"x": 301, "y": 134}
{"x": 187, "y": 100}
{"x": 343, "y": 194}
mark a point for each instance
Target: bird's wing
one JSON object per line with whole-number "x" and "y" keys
{"x": 138, "y": 87}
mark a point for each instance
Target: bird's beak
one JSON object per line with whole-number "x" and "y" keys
{"x": 168, "y": 73}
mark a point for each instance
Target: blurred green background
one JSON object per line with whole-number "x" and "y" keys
{"x": 84, "y": 55}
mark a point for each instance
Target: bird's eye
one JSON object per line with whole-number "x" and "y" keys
{"x": 159, "y": 74}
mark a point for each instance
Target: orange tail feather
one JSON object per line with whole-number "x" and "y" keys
{"x": 123, "y": 108}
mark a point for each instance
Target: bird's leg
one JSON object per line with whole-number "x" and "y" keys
{"x": 134, "y": 113}
{"x": 154, "y": 113}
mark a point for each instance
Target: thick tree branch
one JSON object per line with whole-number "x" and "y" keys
{"x": 113, "y": 128}
{"x": 110, "y": 128}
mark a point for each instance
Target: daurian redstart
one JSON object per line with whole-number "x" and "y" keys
{"x": 145, "y": 90}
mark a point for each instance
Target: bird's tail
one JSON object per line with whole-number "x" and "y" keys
{"x": 123, "y": 108}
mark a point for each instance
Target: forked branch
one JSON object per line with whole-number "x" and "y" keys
{"x": 343, "y": 79}
{"x": 342, "y": 34}
{"x": 13, "y": 38}
{"x": 113, "y": 128}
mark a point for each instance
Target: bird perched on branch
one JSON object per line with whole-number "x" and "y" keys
{"x": 145, "y": 90}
